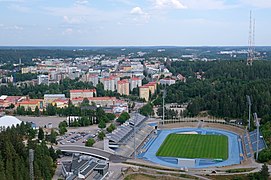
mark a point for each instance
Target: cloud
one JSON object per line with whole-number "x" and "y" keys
{"x": 176, "y": 4}
{"x": 139, "y": 15}
{"x": 137, "y": 10}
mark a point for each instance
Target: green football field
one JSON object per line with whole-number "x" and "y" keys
{"x": 194, "y": 146}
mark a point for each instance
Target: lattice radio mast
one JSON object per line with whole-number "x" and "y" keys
{"x": 251, "y": 41}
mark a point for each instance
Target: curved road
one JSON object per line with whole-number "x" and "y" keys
{"x": 94, "y": 152}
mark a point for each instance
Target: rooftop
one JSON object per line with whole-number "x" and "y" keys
{"x": 96, "y": 98}
{"x": 30, "y": 101}
{"x": 124, "y": 81}
{"x": 82, "y": 90}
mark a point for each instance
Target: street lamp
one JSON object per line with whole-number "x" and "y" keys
{"x": 164, "y": 96}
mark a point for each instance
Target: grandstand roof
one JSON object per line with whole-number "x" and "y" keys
{"x": 8, "y": 121}
{"x": 123, "y": 131}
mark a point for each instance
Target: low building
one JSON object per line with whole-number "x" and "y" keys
{"x": 61, "y": 103}
{"x": 31, "y": 103}
{"x": 167, "y": 81}
{"x": 82, "y": 93}
{"x": 84, "y": 167}
{"x": 50, "y": 98}
{"x": 123, "y": 87}
{"x": 99, "y": 101}
{"x": 181, "y": 78}
{"x": 7, "y": 101}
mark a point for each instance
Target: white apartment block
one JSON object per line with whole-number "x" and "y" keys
{"x": 135, "y": 82}
{"x": 43, "y": 79}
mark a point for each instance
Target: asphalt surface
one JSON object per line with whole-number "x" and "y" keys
{"x": 94, "y": 152}
{"x": 42, "y": 120}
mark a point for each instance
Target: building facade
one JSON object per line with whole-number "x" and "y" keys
{"x": 82, "y": 93}
{"x": 167, "y": 81}
{"x": 144, "y": 92}
{"x": 50, "y": 98}
{"x": 99, "y": 101}
{"x": 135, "y": 82}
{"x": 123, "y": 87}
{"x": 43, "y": 79}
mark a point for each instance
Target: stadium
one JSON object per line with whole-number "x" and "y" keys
{"x": 193, "y": 148}
{"x": 188, "y": 144}
{"x": 216, "y": 145}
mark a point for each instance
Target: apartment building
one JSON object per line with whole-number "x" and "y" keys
{"x": 135, "y": 82}
{"x": 123, "y": 87}
{"x": 144, "y": 92}
{"x": 43, "y": 79}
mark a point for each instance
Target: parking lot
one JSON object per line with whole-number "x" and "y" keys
{"x": 79, "y": 135}
{"x": 76, "y": 138}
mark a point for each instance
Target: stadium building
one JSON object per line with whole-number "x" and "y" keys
{"x": 8, "y": 121}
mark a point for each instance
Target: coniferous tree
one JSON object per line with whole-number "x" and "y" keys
{"x": 41, "y": 134}
{"x": 2, "y": 169}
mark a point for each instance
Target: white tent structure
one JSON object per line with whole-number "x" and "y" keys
{"x": 8, "y": 121}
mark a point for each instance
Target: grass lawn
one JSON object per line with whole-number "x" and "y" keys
{"x": 195, "y": 146}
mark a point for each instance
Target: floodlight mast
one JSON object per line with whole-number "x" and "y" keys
{"x": 164, "y": 96}
{"x": 258, "y": 133}
{"x": 249, "y": 109}
{"x": 31, "y": 168}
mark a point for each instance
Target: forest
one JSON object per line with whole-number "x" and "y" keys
{"x": 15, "y": 143}
{"x": 223, "y": 88}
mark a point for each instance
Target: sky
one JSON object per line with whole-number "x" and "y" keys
{"x": 133, "y": 22}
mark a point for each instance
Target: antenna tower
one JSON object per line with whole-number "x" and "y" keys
{"x": 251, "y": 41}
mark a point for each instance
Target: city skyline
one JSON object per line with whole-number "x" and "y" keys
{"x": 132, "y": 23}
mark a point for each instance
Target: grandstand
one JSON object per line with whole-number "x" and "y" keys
{"x": 253, "y": 139}
{"x": 246, "y": 144}
{"x": 121, "y": 140}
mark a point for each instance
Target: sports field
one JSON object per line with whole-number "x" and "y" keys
{"x": 194, "y": 146}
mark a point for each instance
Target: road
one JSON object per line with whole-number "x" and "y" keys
{"x": 94, "y": 152}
